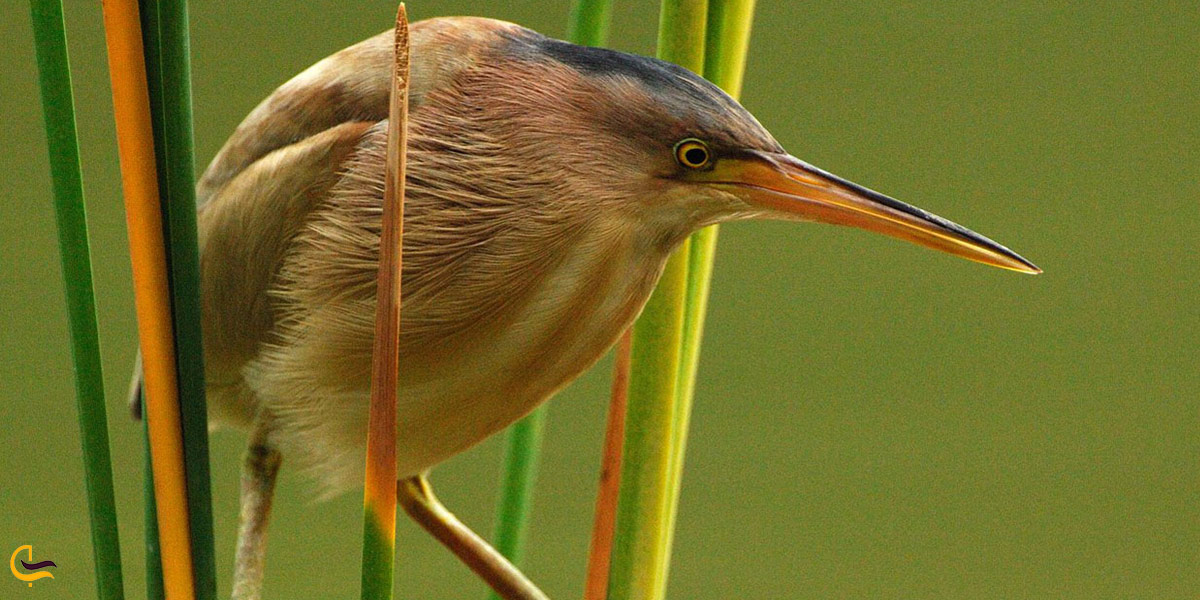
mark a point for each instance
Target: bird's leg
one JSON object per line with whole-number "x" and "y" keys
{"x": 416, "y": 496}
{"x": 259, "y": 468}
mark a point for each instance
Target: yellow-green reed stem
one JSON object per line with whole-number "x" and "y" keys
{"x": 58, "y": 106}
{"x": 588, "y": 26}
{"x": 640, "y": 554}
{"x": 726, "y": 43}
{"x": 168, "y": 67}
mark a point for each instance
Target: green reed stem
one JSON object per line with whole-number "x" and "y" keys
{"x": 168, "y": 67}
{"x": 148, "y": 15}
{"x": 516, "y": 497}
{"x": 58, "y": 106}
{"x": 379, "y": 553}
{"x": 641, "y": 550}
{"x": 154, "y": 576}
{"x": 588, "y": 26}
{"x": 726, "y": 42}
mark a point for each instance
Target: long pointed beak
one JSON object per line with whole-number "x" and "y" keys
{"x": 785, "y": 185}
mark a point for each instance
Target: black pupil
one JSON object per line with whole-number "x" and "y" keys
{"x": 695, "y": 156}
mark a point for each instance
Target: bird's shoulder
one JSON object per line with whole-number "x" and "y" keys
{"x": 352, "y": 85}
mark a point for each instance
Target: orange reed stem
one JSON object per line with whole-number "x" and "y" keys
{"x": 605, "y": 523}
{"x": 379, "y": 494}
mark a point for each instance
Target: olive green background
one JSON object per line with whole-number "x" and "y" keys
{"x": 873, "y": 420}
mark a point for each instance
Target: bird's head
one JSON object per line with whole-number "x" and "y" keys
{"x": 605, "y": 133}
{"x": 688, "y": 155}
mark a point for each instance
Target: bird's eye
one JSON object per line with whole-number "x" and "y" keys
{"x": 693, "y": 154}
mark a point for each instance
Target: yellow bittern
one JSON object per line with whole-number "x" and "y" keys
{"x": 547, "y": 184}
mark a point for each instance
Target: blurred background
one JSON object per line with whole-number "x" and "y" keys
{"x": 872, "y": 419}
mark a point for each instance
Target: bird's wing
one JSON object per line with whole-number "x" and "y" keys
{"x": 245, "y": 229}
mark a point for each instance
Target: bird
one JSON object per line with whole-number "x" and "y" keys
{"x": 547, "y": 184}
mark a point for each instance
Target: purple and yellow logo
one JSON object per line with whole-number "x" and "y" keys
{"x": 29, "y": 566}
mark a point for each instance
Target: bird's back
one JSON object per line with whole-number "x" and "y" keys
{"x": 350, "y": 85}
